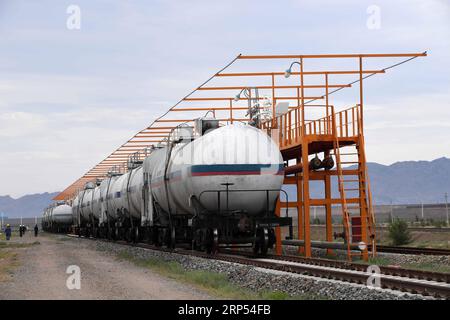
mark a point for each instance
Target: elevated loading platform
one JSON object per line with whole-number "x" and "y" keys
{"x": 338, "y": 138}
{"x": 299, "y": 115}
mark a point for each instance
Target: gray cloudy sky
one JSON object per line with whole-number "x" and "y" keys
{"x": 69, "y": 97}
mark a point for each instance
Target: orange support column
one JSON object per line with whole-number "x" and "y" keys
{"x": 278, "y": 250}
{"x": 300, "y": 225}
{"x": 328, "y": 211}
{"x": 362, "y": 165}
{"x": 306, "y": 199}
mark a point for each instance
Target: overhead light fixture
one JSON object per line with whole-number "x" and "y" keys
{"x": 288, "y": 72}
{"x": 238, "y": 96}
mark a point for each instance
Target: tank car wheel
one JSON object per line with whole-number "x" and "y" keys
{"x": 211, "y": 241}
{"x": 128, "y": 235}
{"x": 154, "y": 236}
{"x": 136, "y": 235}
{"x": 160, "y": 236}
{"x": 265, "y": 241}
{"x": 169, "y": 236}
{"x": 215, "y": 240}
{"x": 172, "y": 239}
{"x": 261, "y": 244}
{"x": 148, "y": 235}
{"x": 256, "y": 246}
{"x": 272, "y": 238}
{"x": 198, "y": 240}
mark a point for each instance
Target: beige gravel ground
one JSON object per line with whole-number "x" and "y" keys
{"x": 41, "y": 274}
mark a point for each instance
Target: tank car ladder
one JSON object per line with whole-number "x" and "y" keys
{"x": 364, "y": 207}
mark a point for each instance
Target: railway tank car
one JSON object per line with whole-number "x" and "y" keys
{"x": 57, "y": 218}
{"x": 207, "y": 186}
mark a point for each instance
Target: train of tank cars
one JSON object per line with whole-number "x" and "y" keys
{"x": 207, "y": 186}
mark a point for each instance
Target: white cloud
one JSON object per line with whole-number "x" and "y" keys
{"x": 20, "y": 124}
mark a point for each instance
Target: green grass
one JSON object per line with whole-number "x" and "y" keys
{"x": 216, "y": 284}
{"x": 380, "y": 261}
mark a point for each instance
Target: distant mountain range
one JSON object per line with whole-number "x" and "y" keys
{"x": 28, "y": 206}
{"x": 410, "y": 181}
{"x": 406, "y": 182}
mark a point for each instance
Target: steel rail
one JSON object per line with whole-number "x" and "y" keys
{"x": 336, "y": 270}
{"x": 413, "y": 250}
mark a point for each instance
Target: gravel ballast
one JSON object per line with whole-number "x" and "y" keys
{"x": 258, "y": 280}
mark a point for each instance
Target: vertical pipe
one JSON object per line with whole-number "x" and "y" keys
{"x": 446, "y": 208}
{"x": 346, "y": 123}
{"x": 353, "y": 122}
{"x": 231, "y": 111}
{"x": 273, "y": 101}
{"x": 289, "y": 126}
{"x": 328, "y": 208}
{"x": 297, "y": 114}
{"x": 302, "y": 98}
{"x": 361, "y": 89}
{"x": 301, "y": 234}
{"x": 326, "y": 101}
{"x": 306, "y": 217}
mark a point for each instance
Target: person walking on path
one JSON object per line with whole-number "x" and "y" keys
{"x": 8, "y": 232}
{"x": 36, "y": 230}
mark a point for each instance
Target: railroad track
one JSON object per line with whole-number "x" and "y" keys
{"x": 412, "y": 250}
{"x": 406, "y": 280}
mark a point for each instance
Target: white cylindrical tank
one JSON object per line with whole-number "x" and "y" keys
{"x": 125, "y": 194}
{"x": 132, "y": 200}
{"x": 86, "y": 204}
{"x": 108, "y": 203}
{"x": 239, "y": 155}
{"x": 61, "y": 215}
{"x": 96, "y": 203}
{"x": 75, "y": 208}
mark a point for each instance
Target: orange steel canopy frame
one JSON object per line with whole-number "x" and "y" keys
{"x": 309, "y": 124}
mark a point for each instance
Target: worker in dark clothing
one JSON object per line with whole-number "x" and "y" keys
{"x": 36, "y": 230}
{"x": 20, "y": 231}
{"x": 8, "y": 232}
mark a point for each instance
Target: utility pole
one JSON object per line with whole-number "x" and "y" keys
{"x": 392, "y": 213}
{"x": 422, "y": 209}
{"x": 446, "y": 207}
{"x": 2, "y": 222}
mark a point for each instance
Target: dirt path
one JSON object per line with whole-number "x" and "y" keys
{"x": 42, "y": 275}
